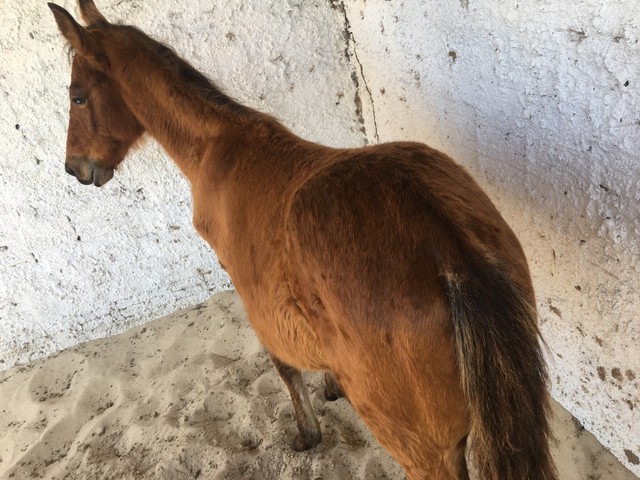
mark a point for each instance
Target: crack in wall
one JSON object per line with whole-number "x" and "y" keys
{"x": 351, "y": 53}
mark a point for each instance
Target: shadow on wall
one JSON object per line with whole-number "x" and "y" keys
{"x": 541, "y": 101}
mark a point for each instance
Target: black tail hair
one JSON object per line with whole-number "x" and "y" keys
{"x": 503, "y": 372}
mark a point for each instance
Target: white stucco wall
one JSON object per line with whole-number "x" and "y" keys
{"x": 78, "y": 262}
{"x": 541, "y": 101}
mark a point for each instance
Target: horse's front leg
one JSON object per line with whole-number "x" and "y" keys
{"x": 308, "y": 426}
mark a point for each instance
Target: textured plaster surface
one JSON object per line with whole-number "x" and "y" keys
{"x": 78, "y": 262}
{"x": 541, "y": 101}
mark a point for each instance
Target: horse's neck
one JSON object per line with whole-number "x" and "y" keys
{"x": 177, "y": 106}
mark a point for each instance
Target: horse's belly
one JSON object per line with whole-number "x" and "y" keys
{"x": 285, "y": 331}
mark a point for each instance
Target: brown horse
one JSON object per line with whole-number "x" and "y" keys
{"x": 385, "y": 266}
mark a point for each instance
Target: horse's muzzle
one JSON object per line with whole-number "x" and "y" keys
{"x": 88, "y": 174}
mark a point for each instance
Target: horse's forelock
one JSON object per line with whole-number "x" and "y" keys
{"x": 70, "y": 52}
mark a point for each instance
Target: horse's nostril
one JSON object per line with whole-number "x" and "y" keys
{"x": 69, "y": 170}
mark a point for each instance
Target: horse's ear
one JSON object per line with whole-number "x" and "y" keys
{"x": 90, "y": 12}
{"x": 76, "y": 35}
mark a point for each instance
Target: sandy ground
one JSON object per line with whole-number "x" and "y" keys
{"x": 194, "y": 395}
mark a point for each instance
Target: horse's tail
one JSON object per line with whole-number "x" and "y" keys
{"x": 503, "y": 373}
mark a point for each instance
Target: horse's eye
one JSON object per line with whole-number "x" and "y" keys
{"x": 81, "y": 102}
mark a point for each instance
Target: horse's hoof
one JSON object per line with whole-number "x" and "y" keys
{"x": 332, "y": 389}
{"x": 331, "y": 395}
{"x": 300, "y": 444}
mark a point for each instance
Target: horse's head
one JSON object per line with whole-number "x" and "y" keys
{"x": 102, "y": 128}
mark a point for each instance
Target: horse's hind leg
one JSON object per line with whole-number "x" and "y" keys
{"x": 308, "y": 427}
{"x": 332, "y": 389}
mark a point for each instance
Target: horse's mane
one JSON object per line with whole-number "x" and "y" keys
{"x": 193, "y": 79}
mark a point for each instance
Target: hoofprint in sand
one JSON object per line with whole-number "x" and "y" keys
{"x": 194, "y": 396}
